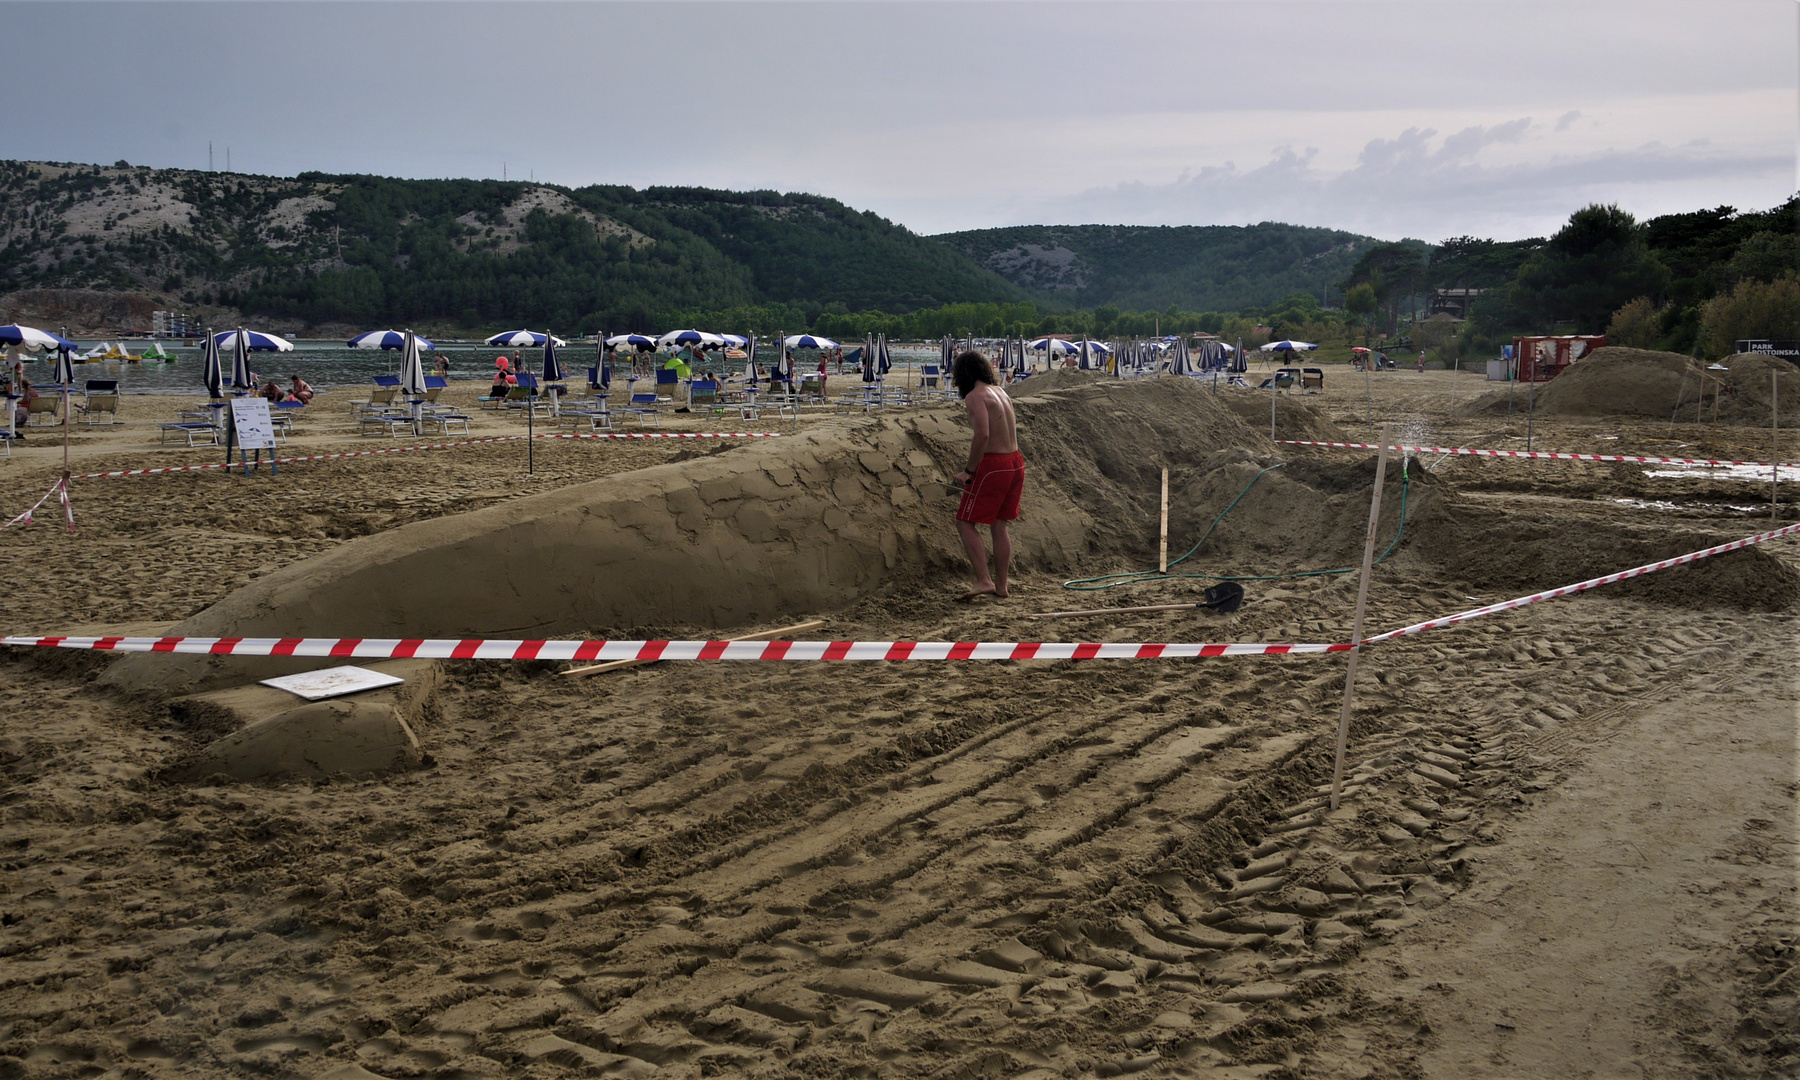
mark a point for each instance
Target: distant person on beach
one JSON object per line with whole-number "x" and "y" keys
{"x": 301, "y": 391}
{"x": 1421, "y": 361}
{"x": 23, "y": 391}
{"x": 995, "y": 476}
{"x": 274, "y": 393}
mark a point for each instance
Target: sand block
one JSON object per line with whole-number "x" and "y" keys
{"x": 270, "y": 732}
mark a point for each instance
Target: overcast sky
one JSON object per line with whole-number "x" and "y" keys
{"x": 1391, "y": 118}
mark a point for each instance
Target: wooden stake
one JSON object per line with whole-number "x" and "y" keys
{"x": 1774, "y": 439}
{"x": 1356, "y": 631}
{"x": 1162, "y": 564}
{"x": 763, "y": 635}
{"x": 1112, "y": 611}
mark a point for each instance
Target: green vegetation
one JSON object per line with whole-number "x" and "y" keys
{"x": 1218, "y": 267}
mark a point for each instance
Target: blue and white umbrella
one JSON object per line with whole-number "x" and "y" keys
{"x": 868, "y": 359}
{"x": 1288, "y": 346}
{"x": 253, "y": 340}
{"x": 412, "y": 374}
{"x": 552, "y": 373}
{"x": 65, "y": 371}
{"x": 386, "y": 339}
{"x": 808, "y": 341}
{"x": 27, "y": 337}
{"x": 692, "y": 338}
{"x": 519, "y": 339}
{"x": 734, "y": 341}
{"x": 884, "y": 362}
{"x": 636, "y": 341}
{"x": 210, "y": 372}
{"x": 1053, "y": 346}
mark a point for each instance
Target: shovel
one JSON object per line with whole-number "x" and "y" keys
{"x": 1225, "y": 598}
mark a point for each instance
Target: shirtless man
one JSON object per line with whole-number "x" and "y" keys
{"x": 995, "y": 476}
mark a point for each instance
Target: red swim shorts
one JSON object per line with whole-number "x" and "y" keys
{"x": 993, "y": 494}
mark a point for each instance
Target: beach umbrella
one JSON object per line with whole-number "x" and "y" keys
{"x": 697, "y": 338}
{"x": 808, "y": 341}
{"x": 553, "y": 372}
{"x": 1285, "y": 345}
{"x": 386, "y": 339}
{"x": 1053, "y": 346}
{"x": 65, "y": 370}
{"x": 868, "y": 359}
{"x": 519, "y": 339}
{"x": 26, "y": 337}
{"x": 240, "y": 359}
{"x": 412, "y": 373}
{"x": 253, "y": 341}
{"x": 1083, "y": 355}
{"x": 636, "y": 341}
{"x": 734, "y": 341}
{"x": 209, "y": 368}
{"x": 884, "y": 363}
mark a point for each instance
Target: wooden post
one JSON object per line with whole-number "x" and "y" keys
{"x": 1162, "y": 562}
{"x": 764, "y": 635}
{"x": 1774, "y": 439}
{"x": 1273, "y": 392}
{"x": 1356, "y": 631}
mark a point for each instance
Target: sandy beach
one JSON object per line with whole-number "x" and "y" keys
{"x": 1567, "y": 845}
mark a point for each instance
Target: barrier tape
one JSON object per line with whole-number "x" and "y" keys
{"x": 60, "y": 489}
{"x": 483, "y": 649}
{"x": 1591, "y": 583}
{"x": 444, "y": 446}
{"x": 1469, "y": 452}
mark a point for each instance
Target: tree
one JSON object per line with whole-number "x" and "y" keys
{"x": 1592, "y": 266}
{"x": 1753, "y": 309}
{"x": 1637, "y": 324}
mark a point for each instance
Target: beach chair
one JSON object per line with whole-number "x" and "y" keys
{"x": 703, "y": 394}
{"x": 1312, "y": 379}
{"x": 390, "y": 424}
{"x": 283, "y": 414}
{"x": 100, "y": 396}
{"x": 812, "y": 390}
{"x": 387, "y": 388}
{"x": 434, "y": 385}
{"x": 190, "y": 430}
{"x": 444, "y": 422}
{"x": 643, "y": 407}
{"x": 667, "y": 381}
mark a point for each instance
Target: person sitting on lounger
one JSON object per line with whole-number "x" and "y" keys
{"x": 302, "y": 391}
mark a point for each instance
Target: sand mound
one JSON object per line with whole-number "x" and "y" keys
{"x": 1055, "y": 379}
{"x": 1617, "y": 381}
{"x": 791, "y": 527}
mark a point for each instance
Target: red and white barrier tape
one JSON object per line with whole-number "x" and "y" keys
{"x": 480, "y": 649}
{"x": 1469, "y": 452}
{"x": 445, "y": 446}
{"x": 60, "y": 489}
{"x": 1583, "y": 586}
{"x": 483, "y": 649}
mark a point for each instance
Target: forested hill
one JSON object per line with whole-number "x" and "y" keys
{"x": 367, "y": 250}
{"x": 1215, "y": 267}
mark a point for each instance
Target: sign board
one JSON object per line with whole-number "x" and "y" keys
{"x": 255, "y": 429}
{"x": 332, "y": 682}
{"x": 1786, "y": 350}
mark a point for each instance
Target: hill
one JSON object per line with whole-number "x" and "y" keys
{"x": 322, "y": 249}
{"x": 1214, "y": 267}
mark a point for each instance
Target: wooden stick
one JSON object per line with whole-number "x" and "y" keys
{"x": 1774, "y": 439}
{"x": 1163, "y": 560}
{"x": 762, "y": 635}
{"x": 1112, "y": 611}
{"x": 1356, "y": 631}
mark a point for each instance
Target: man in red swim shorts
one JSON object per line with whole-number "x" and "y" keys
{"x": 995, "y": 476}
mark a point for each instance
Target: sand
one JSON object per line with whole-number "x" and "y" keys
{"x": 1567, "y": 845}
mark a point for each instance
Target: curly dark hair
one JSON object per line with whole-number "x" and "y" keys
{"x": 970, "y": 368}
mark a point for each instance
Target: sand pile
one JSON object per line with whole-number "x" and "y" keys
{"x": 1617, "y": 381}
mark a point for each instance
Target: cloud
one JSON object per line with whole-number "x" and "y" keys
{"x": 1421, "y": 185}
{"x": 1563, "y": 121}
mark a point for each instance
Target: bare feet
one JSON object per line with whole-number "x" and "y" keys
{"x": 977, "y": 593}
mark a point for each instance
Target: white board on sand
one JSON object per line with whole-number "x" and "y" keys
{"x": 332, "y": 682}
{"x": 255, "y": 429}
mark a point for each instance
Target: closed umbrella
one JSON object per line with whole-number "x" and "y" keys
{"x": 209, "y": 368}
{"x": 884, "y": 363}
{"x": 553, "y": 373}
{"x": 240, "y": 361}
{"x": 412, "y": 376}
{"x": 868, "y": 359}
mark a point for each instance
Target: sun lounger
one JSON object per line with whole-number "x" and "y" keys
{"x": 191, "y": 431}
{"x": 1312, "y": 378}
{"x": 643, "y": 407}
{"x": 444, "y": 422}
{"x": 43, "y": 405}
{"x": 392, "y": 424}
{"x": 101, "y": 396}
{"x": 703, "y": 394}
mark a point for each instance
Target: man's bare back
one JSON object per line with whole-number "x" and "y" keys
{"x": 991, "y": 417}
